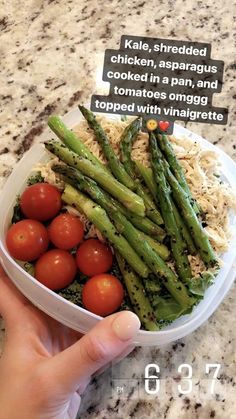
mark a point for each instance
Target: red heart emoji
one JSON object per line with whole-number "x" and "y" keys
{"x": 163, "y": 125}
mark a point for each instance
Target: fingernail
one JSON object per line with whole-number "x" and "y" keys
{"x": 126, "y": 325}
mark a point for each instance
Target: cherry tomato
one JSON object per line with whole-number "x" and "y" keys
{"x": 102, "y": 294}
{"x": 27, "y": 240}
{"x": 163, "y": 125}
{"x": 94, "y": 257}
{"x": 56, "y": 269}
{"x": 41, "y": 201}
{"x": 66, "y": 231}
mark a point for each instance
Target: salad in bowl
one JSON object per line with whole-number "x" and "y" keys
{"x": 115, "y": 218}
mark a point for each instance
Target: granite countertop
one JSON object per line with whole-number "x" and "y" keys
{"x": 51, "y": 51}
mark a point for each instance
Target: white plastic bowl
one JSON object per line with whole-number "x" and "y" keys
{"x": 76, "y": 317}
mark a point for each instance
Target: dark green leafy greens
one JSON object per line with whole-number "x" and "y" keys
{"x": 17, "y": 213}
{"x": 35, "y": 178}
{"x": 168, "y": 310}
{"x": 199, "y": 284}
{"x": 29, "y": 267}
{"x": 73, "y": 293}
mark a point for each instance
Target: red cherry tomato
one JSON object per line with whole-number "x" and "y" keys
{"x": 66, "y": 231}
{"x": 94, "y": 257}
{"x": 27, "y": 240}
{"x": 41, "y": 201}
{"x": 163, "y": 125}
{"x": 56, "y": 269}
{"x": 102, "y": 294}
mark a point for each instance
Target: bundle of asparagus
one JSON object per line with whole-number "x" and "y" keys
{"x": 140, "y": 211}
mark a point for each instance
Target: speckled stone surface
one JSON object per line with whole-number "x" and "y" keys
{"x": 50, "y": 55}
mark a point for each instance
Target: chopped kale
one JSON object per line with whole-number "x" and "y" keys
{"x": 199, "y": 284}
{"x": 168, "y": 310}
{"x": 35, "y": 178}
{"x": 116, "y": 271}
{"x": 29, "y": 267}
{"x": 73, "y": 293}
{"x": 126, "y": 304}
{"x": 17, "y": 213}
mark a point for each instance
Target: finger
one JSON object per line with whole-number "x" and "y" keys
{"x": 107, "y": 340}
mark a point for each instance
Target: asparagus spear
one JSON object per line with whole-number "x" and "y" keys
{"x": 146, "y": 225}
{"x": 137, "y": 295}
{"x": 130, "y": 200}
{"x": 184, "y": 230}
{"x": 151, "y": 210}
{"x": 159, "y": 248}
{"x": 70, "y": 139}
{"x": 99, "y": 218}
{"x": 100, "y": 197}
{"x": 114, "y": 163}
{"x": 126, "y": 142}
{"x": 176, "y": 168}
{"x": 178, "y": 246}
{"x": 142, "y": 223}
{"x": 199, "y": 236}
{"x": 147, "y": 175}
{"x": 117, "y": 168}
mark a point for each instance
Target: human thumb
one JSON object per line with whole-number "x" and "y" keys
{"x": 105, "y": 342}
